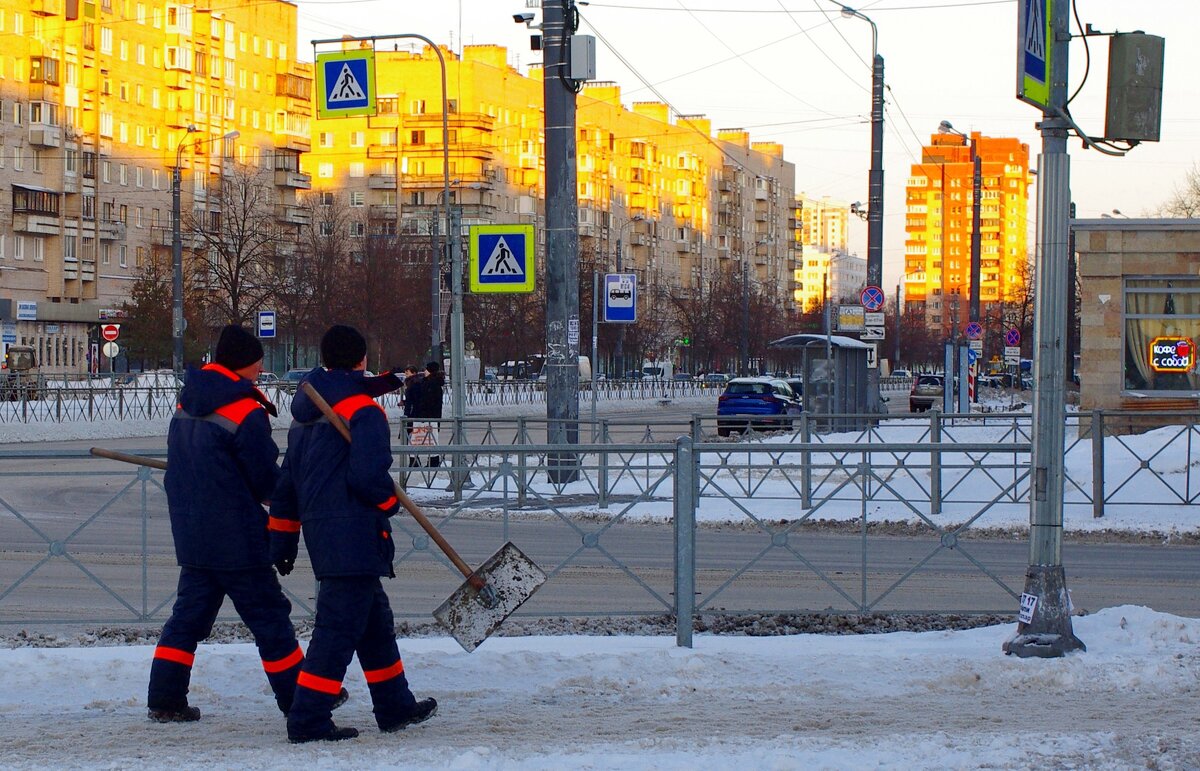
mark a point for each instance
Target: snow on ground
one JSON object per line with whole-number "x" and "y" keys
{"x": 946, "y": 699}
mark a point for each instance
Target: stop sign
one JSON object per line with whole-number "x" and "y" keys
{"x": 110, "y": 332}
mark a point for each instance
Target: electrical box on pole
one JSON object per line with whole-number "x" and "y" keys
{"x": 1135, "y": 82}
{"x": 583, "y": 57}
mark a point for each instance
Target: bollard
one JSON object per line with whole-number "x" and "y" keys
{"x": 685, "y": 541}
{"x": 602, "y": 482}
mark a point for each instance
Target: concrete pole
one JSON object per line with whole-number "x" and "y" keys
{"x": 176, "y": 268}
{"x": 1045, "y": 602}
{"x": 619, "y": 354}
{"x": 875, "y": 209}
{"x": 562, "y": 241}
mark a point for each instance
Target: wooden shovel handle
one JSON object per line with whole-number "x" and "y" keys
{"x": 408, "y": 503}
{"x": 138, "y": 460}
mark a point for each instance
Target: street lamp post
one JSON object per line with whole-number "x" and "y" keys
{"x": 976, "y": 191}
{"x": 874, "y": 182}
{"x": 177, "y": 244}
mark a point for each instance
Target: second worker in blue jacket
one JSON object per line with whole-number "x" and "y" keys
{"x": 341, "y": 496}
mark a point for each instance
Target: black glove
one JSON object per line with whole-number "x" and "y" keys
{"x": 285, "y": 565}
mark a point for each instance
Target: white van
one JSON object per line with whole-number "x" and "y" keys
{"x": 657, "y": 370}
{"x": 585, "y": 371}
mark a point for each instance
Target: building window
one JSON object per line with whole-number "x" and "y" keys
{"x": 357, "y": 169}
{"x": 325, "y": 139}
{"x": 326, "y": 198}
{"x": 416, "y": 137}
{"x": 325, "y": 170}
{"x": 357, "y": 198}
{"x": 1161, "y": 329}
{"x": 358, "y": 138}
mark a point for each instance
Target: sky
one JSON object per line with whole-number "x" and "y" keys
{"x": 796, "y": 71}
{"x": 931, "y": 700}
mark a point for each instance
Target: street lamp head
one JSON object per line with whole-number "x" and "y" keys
{"x": 232, "y": 134}
{"x": 191, "y": 129}
{"x": 945, "y": 127}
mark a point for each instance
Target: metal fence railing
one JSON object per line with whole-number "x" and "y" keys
{"x": 59, "y": 402}
{"x": 628, "y": 523}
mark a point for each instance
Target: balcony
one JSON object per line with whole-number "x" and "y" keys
{"x": 383, "y": 151}
{"x": 36, "y": 223}
{"x": 292, "y": 215}
{"x": 178, "y": 79}
{"x": 45, "y": 7}
{"x": 380, "y": 211}
{"x": 381, "y": 182}
{"x": 292, "y": 179}
{"x": 111, "y": 230}
{"x": 290, "y": 140}
{"x": 89, "y": 270}
{"x": 45, "y": 136}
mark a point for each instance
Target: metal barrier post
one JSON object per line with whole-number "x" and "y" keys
{"x": 602, "y": 472}
{"x": 522, "y": 464}
{"x": 1097, "y": 463}
{"x": 805, "y": 464}
{"x": 685, "y": 540}
{"x": 935, "y": 462}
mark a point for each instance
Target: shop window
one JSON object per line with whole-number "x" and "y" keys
{"x": 1161, "y": 329}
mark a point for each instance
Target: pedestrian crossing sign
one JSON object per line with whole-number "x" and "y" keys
{"x": 345, "y": 83}
{"x": 502, "y": 258}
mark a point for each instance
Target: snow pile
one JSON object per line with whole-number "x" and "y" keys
{"x": 947, "y": 699}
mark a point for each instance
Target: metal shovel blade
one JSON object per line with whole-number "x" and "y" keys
{"x": 472, "y": 615}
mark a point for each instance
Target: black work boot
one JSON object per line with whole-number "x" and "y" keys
{"x": 342, "y": 697}
{"x": 424, "y": 709}
{"x": 334, "y": 734}
{"x": 184, "y": 714}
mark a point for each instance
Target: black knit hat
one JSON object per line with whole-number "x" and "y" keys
{"x": 237, "y": 348}
{"x": 342, "y": 347}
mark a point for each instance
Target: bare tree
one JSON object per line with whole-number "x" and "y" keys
{"x": 241, "y": 244}
{"x": 1185, "y": 201}
{"x": 146, "y": 329}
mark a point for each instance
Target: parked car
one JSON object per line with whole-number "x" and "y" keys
{"x": 294, "y": 376}
{"x": 797, "y": 386}
{"x": 926, "y": 391}
{"x": 756, "y": 403}
{"x": 901, "y": 373}
{"x": 715, "y": 380}
{"x": 681, "y": 376}
{"x": 268, "y": 379}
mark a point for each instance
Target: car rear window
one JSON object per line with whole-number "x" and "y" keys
{"x": 748, "y": 388}
{"x": 932, "y": 380}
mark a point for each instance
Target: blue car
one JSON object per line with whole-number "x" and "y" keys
{"x": 757, "y": 404}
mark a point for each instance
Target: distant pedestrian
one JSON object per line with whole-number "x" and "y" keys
{"x": 428, "y": 402}
{"x": 220, "y": 470}
{"x": 341, "y": 496}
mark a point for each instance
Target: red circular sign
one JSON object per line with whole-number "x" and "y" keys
{"x": 110, "y": 332}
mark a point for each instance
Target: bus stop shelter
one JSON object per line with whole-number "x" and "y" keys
{"x": 834, "y": 369}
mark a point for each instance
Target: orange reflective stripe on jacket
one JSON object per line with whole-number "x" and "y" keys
{"x": 388, "y": 503}
{"x": 387, "y": 673}
{"x": 226, "y": 371}
{"x": 347, "y": 407}
{"x": 237, "y": 411}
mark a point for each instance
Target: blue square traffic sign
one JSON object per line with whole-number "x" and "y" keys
{"x": 620, "y": 297}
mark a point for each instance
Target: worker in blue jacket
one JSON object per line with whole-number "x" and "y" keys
{"x": 221, "y": 469}
{"x": 341, "y": 496}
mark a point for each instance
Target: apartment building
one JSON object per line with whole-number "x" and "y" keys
{"x": 683, "y": 202}
{"x": 825, "y": 269}
{"x": 938, "y": 225}
{"x": 99, "y": 101}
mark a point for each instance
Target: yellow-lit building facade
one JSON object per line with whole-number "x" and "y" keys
{"x": 98, "y": 101}
{"x": 824, "y": 268}
{"x": 938, "y": 227}
{"x": 683, "y": 201}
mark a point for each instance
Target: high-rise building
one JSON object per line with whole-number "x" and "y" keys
{"x": 98, "y": 103}
{"x": 937, "y": 281}
{"x": 825, "y": 270}
{"x": 683, "y": 202}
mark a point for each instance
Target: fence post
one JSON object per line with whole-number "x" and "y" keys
{"x": 602, "y": 472}
{"x": 935, "y": 462}
{"x": 685, "y": 540}
{"x": 522, "y": 463}
{"x": 805, "y": 464}
{"x": 1097, "y": 463}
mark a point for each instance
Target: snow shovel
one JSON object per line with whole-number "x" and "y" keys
{"x": 490, "y": 594}
{"x": 124, "y": 457}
